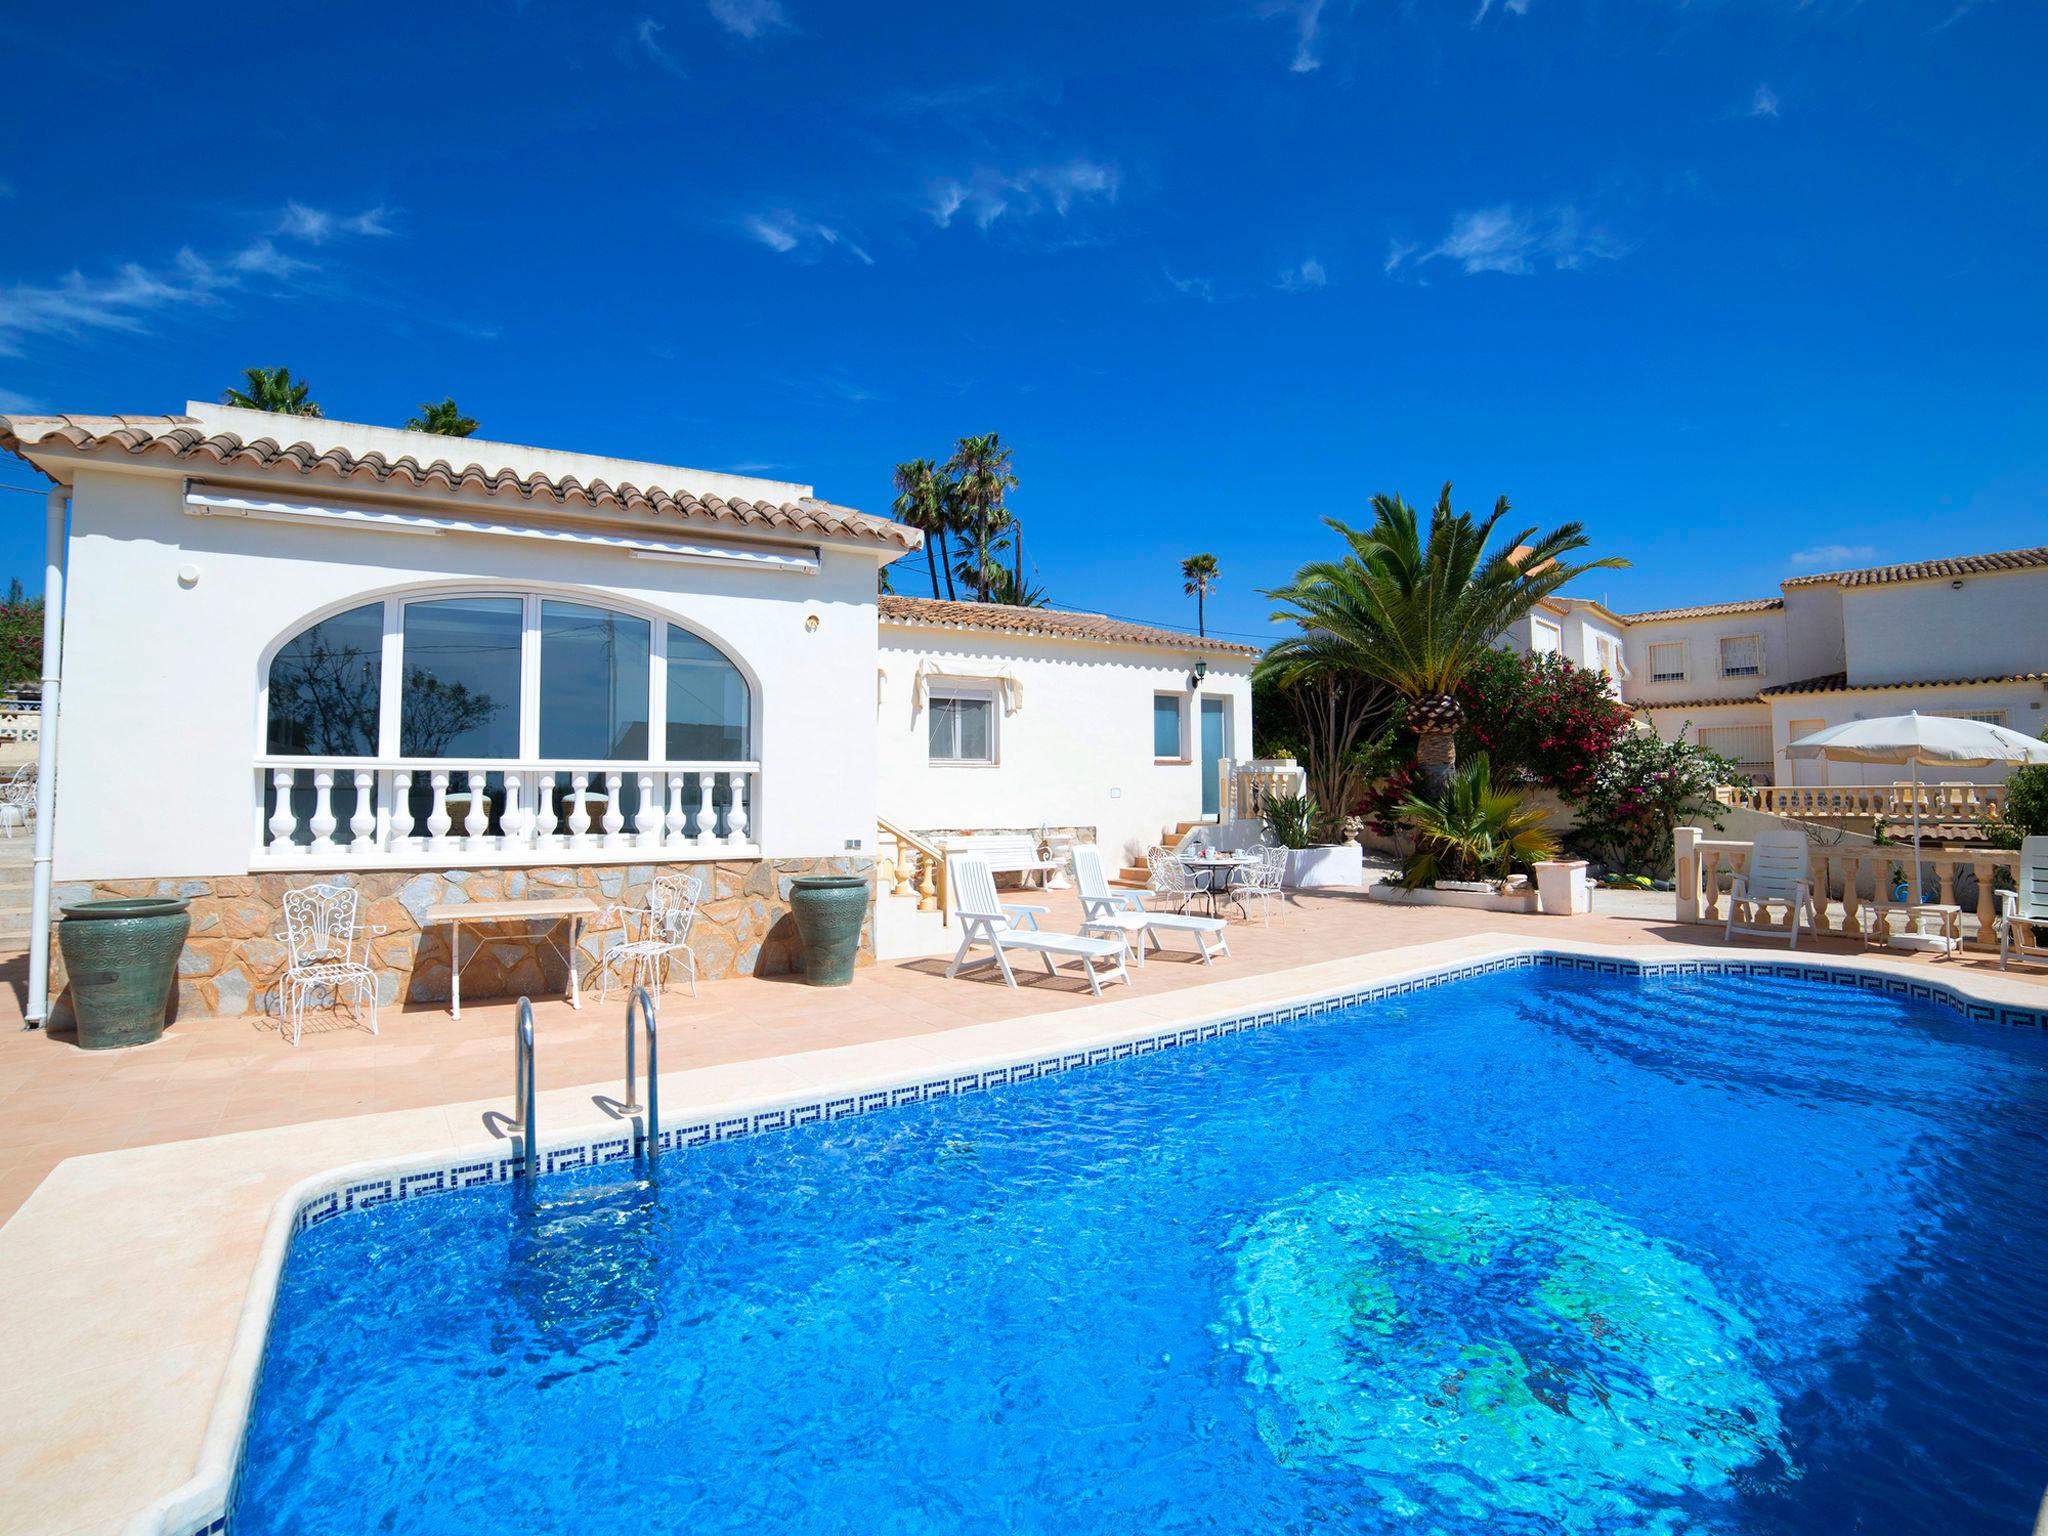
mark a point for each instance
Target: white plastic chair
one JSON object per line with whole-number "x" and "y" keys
{"x": 1171, "y": 880}
{"x": 654, "y": 936}
{"x": 1122, "y": 913}
{"x": 1776, "y": 877}
{"x": 985, "y": 920}
{"x": 320, "y": 938}
{"x": 2023, "y": 914}
{"x": 1266, "y": 883}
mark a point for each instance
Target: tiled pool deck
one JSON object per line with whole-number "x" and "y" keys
{"x": 144, "y": 1258}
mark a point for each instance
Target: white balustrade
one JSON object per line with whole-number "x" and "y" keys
{"x": 412, "y": 812}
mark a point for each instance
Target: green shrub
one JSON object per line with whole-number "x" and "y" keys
{"x": 2026, "y": 800}
{"x": 1291, "y": 820}
{"x": 1476, "y": 829}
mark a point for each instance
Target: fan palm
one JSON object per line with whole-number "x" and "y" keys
{"x": 1198, "y": 572}
{"x": 980, "y": 468}
{"x": 1011, "y": 588}
{"x": 1412, "y": 613}
{"x": 443, "y": 420}
{"x": 272, "y": 389}
{"x": 1474, "y": 828}
{"x": 922, "y": 503}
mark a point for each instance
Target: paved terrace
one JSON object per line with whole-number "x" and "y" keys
{"x": 214, "y": 1077}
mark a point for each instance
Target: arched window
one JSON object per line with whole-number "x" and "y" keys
{"x": 529, "y": 698}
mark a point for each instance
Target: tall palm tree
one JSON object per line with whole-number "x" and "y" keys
{"x": 922, "y": 503}
{"x": 1198, "y": 572}
{"x": 1412, "y": 614}
{"x": 443, "y": 420}
{"x": 272, "y": 389}
{"x": 980, "y": 468}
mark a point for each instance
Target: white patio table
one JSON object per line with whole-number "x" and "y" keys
{"x": 457, "y": 915}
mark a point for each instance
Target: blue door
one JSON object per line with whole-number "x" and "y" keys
{"x": 1215, "y": 749}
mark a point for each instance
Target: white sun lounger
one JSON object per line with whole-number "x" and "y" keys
{"x": 986, "y": 921}
{"x": 1122, "y": 913}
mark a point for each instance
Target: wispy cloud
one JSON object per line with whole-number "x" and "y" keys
{"x": 987, "y": 194}
{"x": 13, "y": 404}
{"x": 749, "y": 18}
{"x": 1763, "y": 102}
{"x": 1962, "y": 9}
{"x": 793, "y": 234}
{"x": 1303, "y": 277}
{"x": 1511, "y": 240}
{"x": 647, "y": 38}
{"x": 1307, "y": 17}
{"x": 1194, "y": 287}
{"x": 1831, "y": 556}
{"x": 1512, "y": 7}
{"x": 125, "y": 300}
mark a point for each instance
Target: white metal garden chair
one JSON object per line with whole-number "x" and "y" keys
{"x": 1776, "y": 877}
{"x": 654, "y": 937}
{"x": 1171, "y": 880}
{"x": 1122, "y": 913}
{"x": 1266, "y": 883}
{"x": 985, "y": 920}
{"x": 17, "y": 799}
{"x": 2023, "y": 914}
{"x": 321, "y": 938}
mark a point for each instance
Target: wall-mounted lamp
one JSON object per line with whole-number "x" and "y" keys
{"x": 1957, "y": 584}
{"x": 1195, "y": 677}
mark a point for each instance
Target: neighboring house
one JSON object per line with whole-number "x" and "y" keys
{"x": 1965, "y": 635}
{"x": 302, "y": 648}
{"x": 1578, "y": 629}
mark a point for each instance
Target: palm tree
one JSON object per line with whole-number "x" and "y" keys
{"x": 1199, "y": 574}
{"x": 443, "y": 420}
{"x": 272, "y": 389}
{"x": 980, "y": 468}
{"x": 922, "y": 502}
{"x": 1477, "y": 828}
{"x": 1412, "y": 615}
{"x": 1011, "y": 588}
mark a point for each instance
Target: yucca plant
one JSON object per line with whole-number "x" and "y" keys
{"x": 1474, "y": 829}
{"x": 1291, "y": 820}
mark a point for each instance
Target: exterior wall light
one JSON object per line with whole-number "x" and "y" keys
{"x": 1195, "y": 677}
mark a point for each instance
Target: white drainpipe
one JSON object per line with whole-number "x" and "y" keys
{"x": 46, "y": 760}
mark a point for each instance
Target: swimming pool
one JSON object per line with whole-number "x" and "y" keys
{"x": 1528, "y": 1252}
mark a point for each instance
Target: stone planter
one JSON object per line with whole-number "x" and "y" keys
{"x": 1482, "y": 898}
{"x": 1333, "y": 864}
{"x": 828, "y": 911}
{"x": 122, "y": 957}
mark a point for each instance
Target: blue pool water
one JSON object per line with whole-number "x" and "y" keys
{"x": 1535, "y": 1252}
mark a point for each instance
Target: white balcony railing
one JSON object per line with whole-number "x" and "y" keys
{"x": 316, "y": 812}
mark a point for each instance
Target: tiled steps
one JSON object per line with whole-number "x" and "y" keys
{"x": 1134, "y": 875}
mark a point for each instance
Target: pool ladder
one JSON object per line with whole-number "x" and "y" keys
{"x": 643, "y": 1004}
{"x": 522, "y": 1086}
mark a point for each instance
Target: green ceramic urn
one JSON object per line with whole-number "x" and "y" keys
{"x": 829, "y": 910}
{"x": 122, "y": 957}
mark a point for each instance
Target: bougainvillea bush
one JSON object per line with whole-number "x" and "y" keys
{"x": 1540, "y": 718}
{"x": 1645, "y": 788}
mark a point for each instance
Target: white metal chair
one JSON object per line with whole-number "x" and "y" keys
{"x": 1122, "y": 913}
{"x": 2023, "y": 914}
{"x": 653, "y": 937}
{"x": 1776, "y": 877}
{"x": 18, "y": 799}
{"x": 1171, "y": 880}
{"x": 984, "y": 920}
{"x": 1266, "y": 883}
{"x": 321, "y": 937}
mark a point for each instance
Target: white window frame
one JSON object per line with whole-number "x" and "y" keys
{"x": 970, "y": 693}
{"x": 1999, "y": 717}
{"x": 1757, "y": 671}
{"x": 1538, "y": 627}
{"x": 1658, "y": 675}
{"x": 1180, "y": 704}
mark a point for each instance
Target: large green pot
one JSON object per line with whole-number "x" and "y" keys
{"x": 122, "y": 957}
{"x": 829, "y": 910}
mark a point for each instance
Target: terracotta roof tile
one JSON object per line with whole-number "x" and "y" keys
{"x": 1838, "y": 682}
{"x": 1930, "y": 570}
{"x": 1705, "y": 610}
{"x": 183, "y": 440}
{"x": 1641, "y": 706}
{"x": 940, "y": 613}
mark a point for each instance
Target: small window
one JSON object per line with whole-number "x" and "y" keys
{"x": 962, "y": 728}
{"x": 1667, "y": 662}
{"x": 1982, "y": 716}
{"x": 1169, "y": 727}
{"x": 1544, "y": 638}
{"x": 1742, "y": 656}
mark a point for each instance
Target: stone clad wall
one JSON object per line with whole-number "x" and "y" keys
{"x": 234, "y": 957}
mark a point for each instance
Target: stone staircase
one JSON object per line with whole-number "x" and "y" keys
{"x": 17, "y": 875}
{"x": 1136, "y": 875}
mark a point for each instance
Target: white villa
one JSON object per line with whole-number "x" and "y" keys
{"x": 1965, "y": 635}
{"x": 455, "y": 670}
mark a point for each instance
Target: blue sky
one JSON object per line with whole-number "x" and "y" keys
{"x": 1746, "y": 286}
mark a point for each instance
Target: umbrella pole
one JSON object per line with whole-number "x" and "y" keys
{"x": 1918, "y": 888}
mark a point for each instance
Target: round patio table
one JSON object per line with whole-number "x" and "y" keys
{"x": 1219, "y": 873}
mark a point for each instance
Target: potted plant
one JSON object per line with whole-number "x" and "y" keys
{"x": 1291, "y": 824}
{"x": 1470, "y": 838}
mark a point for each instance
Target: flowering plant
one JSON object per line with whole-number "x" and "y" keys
{"x": 1540, "y": 718}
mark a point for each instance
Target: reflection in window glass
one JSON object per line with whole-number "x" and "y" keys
{"x": 961, "y": 729}
{"x": 707, "y": 702}
{"x": 324, "y": 687}
{"x": 461, "y": 694}
{"x": 593, "y": 683}
{"x": 1166, "y": 725}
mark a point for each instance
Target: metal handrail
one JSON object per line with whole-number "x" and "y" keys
{"x": 641, "y": 1001}
{"x": 522, "y": 1084}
